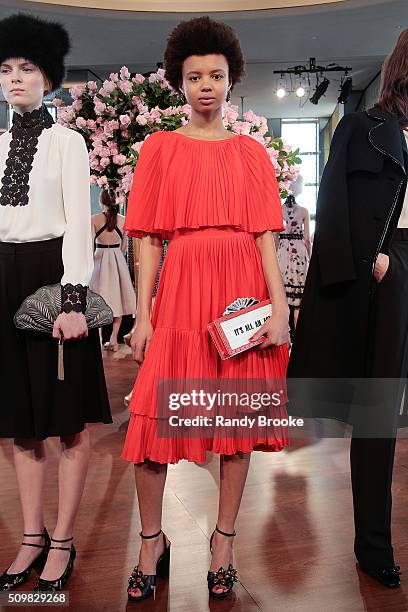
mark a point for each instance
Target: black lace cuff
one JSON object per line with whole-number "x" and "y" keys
{"x": 73, "y": 298}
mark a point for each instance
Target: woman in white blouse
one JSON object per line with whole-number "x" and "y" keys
{"x": 45, "y": 238}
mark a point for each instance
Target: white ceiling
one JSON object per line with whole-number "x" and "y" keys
{"x": 356, "y": 32}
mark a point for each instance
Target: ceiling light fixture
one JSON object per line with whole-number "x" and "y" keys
{"x": 320, "y": 90}
{"x": 345, "y": 91}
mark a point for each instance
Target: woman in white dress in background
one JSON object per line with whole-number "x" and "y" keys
{"x": 111, "y": 276}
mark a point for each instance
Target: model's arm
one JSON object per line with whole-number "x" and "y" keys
{"x": 124, "y": 245}
{"x": 277, "y": 327}
{"x": 306, "y": 230}
{"x": 77, "y": 251}
{"x": 149, "y": 260}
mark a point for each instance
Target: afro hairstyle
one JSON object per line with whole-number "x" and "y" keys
{"x": 202, "y": 36}
{"x": 42, "y": 42}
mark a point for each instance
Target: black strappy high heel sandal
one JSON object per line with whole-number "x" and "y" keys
{"x": 223, "y": 577}
{"x": 147, "y": 583}
{"x": 8, "y": 582}
{"x": 59, "y": 583}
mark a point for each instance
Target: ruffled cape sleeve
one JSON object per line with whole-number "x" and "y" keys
{"x": 144, "y": 194}
{"x": 264, "y": 206}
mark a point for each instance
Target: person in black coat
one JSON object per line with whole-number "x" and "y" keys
{"x": 353, "y": 321}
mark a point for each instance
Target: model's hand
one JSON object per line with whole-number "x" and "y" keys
{"x": 70, "y": 326}
{"x": 140, "y": 340}
{"x": 381, "y": 267}
{"x": 276, "y": 330}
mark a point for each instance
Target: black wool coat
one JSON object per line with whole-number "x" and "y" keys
{"x": 359, "y": 204}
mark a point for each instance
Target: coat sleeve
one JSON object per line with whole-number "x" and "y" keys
{"x": 333, "y": 232}
{"x": 77, "y": 249}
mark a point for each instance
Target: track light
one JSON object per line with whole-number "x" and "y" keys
{"x": 320, "y": 90}
{"x": 345, "y": 91}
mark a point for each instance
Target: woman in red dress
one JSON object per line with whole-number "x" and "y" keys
{"x": 215, "y": 196}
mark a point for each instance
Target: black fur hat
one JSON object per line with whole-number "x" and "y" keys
{"x": 42, "y": 42}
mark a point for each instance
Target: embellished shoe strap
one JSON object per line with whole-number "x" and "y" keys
{"x": 60, "y": 542}
{"x": 225, "y": 577}
{"x": 141, "y": 581}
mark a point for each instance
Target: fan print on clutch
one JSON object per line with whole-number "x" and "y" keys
{"x": 239, "y": 304}
{"x": 39, "y": 311}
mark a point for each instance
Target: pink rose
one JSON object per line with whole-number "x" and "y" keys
{"x": 119, "y": 160}
{"x": 126, "y": 183}
{"x": 141, "y": 120}
{"x": 124, "y": 120}
{"x": 105, "y": 161}
{"x": 93, "y": 179}
{"x": 153, "y": 78}
{"x": 138, "y": 78}
{"x": 124, "y": 72}
{"x": 80, "y": 123}
{"x": 125, "y": 87}
{"x": 110, "y": 86}
{"x": 57, "y": 102}
{"x": 161, "y": 72}
{"x": 77, "y": 91}
{"x": 250, "y": 116}
{"x": 114, "y": 77}
{"x": 102, "y": 180}
{"x": 91, "y": 124}
{"x": 77, "y": 105}
{"x": 92, "y": 86}
{"x": 155, "y": 115}
{"x": 100, "y": 107}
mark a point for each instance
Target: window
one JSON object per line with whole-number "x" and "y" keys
{"x": 304, "y": 135}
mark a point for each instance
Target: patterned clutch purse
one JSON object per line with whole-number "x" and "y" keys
{"x": 231, "y": 332}
{"x": 39, "y": 311}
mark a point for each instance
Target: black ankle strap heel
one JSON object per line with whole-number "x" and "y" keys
{"x": 9, "y": 582}
{"x": 146, "y": 583}
{"x": 223, "y": 577}
{"x": 59, "y": 583}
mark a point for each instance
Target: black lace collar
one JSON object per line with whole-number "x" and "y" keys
{"x": 38, "y": 118}
{"x": 25, "y": 131}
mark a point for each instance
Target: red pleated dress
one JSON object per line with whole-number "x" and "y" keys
{"x": 210, "y": 198}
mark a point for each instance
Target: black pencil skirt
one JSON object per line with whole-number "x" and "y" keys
{"x": 34, "y": 403}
